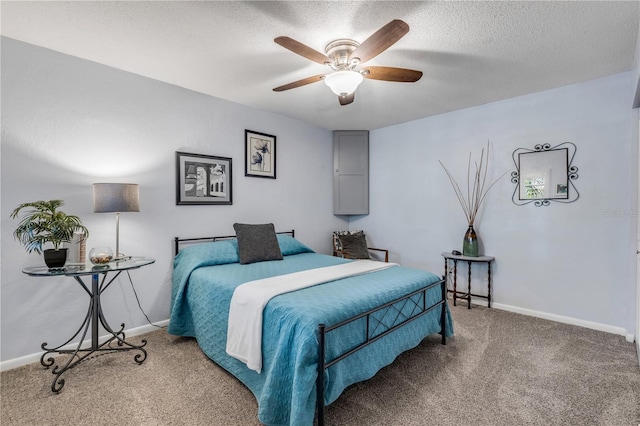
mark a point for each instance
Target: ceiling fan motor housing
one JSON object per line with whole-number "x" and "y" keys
{"x": 339, "y": 51}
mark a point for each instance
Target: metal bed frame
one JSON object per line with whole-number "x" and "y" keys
{"x": 392, "y": 318}
{"x": 392, "y": 309}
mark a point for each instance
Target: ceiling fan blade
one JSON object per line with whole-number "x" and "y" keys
{"x": 346, "y": 100}
{"x": 381, "y": 40}
{"x": 299, "y": 83}
{"x": 302, "y": 50}
{"x": 392, "y": 74}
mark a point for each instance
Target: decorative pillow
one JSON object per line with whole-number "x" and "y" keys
{"x": 354, "y": 245}
{"x": 336, "y": 237}
{"x": 289, "y": 245}
{"x": 257, "y": 243}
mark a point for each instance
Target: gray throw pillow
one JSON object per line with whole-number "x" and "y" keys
{"x": 336, "y": 237}
{"x": 354, "y": 245}
{"x": 257, "y": 243}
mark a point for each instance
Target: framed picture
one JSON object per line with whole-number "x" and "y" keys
{"x": 259, "y": 154}
{"x": 202, "y": 179}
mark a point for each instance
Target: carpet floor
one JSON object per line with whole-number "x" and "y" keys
{"x": 499, "y": 368}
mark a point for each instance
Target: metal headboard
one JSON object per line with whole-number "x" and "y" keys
{"x": 178, "y": 241}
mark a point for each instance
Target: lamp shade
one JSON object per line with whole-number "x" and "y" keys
{"x": 116, "y": 197}
{"x": 343, "y": 83}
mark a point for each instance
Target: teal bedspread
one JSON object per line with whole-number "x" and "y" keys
{"x": 205, "y": 277}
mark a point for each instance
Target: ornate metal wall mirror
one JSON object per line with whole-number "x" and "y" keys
{"x": 544, "y": 174}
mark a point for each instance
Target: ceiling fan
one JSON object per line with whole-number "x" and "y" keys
{"x": 344, "y": 55}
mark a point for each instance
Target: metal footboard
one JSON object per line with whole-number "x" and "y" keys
{"x": 417, "y": 311}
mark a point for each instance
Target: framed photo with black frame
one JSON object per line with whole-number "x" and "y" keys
{"x": 203, "y": 179}
{"x": 260, "y": 154}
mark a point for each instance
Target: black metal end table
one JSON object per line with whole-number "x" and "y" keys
{"x": 470, "y": 260}
{"x": 116, "y": 339}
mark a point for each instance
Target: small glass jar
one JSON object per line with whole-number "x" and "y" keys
{"x": 100, "y": 255}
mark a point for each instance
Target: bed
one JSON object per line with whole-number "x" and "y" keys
{"x": 316, "y": 341}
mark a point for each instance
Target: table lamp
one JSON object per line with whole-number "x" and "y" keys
{"x": 116, "y": 198}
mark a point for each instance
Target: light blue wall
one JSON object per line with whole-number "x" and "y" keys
{"x": 67, "y": 123}
{"x": 575, "y": 260}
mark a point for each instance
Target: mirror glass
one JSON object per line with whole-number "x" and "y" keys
{"x": 544, "y": 174}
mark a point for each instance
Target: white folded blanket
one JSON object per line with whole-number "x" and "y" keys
{"x": 244, "y": 333}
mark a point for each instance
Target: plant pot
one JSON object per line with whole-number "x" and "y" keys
{"x": 55, "y": 258}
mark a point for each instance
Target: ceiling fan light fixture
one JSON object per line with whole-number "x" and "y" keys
{"x": 343, "y": 83}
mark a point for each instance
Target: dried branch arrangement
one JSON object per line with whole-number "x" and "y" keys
{"x": 477, "y": 188}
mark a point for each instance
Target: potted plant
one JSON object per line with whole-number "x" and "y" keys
{"x": 44, "y": 223}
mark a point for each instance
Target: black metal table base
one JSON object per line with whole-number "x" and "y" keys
{"x": 114, "y": 343}
{"x": 466, "y": 295}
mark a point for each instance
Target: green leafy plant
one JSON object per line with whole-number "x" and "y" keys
{"x": 534, "y": 188}
{"x": 44, "y": 223}
{"x": 477, "y": 187}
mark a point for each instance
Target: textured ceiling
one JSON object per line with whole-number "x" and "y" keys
{"x": 471, "y": 53}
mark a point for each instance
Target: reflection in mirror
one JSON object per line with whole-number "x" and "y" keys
{"x": 545, "y": 174}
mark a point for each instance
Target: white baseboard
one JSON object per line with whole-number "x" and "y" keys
{"x": 557, "y": 318}
{"x": 569, "y": 320}
{"x": 28, "y": 359}
{"x": 566, "y": 320}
